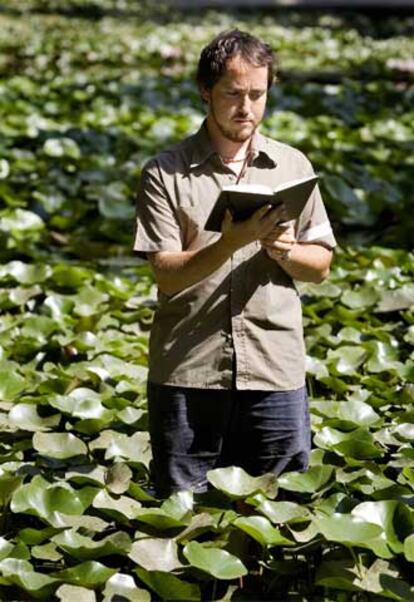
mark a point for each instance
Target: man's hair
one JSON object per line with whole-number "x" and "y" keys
{"x": 227, "y": 45}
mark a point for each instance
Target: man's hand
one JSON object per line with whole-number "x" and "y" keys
{"x": 236, "y": 235}
{"x": 279, "y": 241}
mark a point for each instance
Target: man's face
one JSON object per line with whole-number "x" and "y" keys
{"x": 237, "y": 102}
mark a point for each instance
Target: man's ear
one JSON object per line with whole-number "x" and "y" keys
{"x": 205, "y": 94}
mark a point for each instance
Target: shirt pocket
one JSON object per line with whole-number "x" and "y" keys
{"x": 192, "y": 219}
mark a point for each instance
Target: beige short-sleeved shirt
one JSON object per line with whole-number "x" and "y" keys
{"x": 242, "y": 325}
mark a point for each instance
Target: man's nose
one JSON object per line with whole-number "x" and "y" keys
{"x": 245, "y": 104}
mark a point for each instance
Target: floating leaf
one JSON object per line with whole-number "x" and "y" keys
{"x": 118, "y": 477}
{"x": 214, "y": 561}
{"x": 409, "y": 548}
{"x": 347, "y": 529}
{"x": 155, "y": 554}
{"x": 87, "y": 574}
{"x": 25, "y": 416}
{"x": 51, "y": 502}
{"x": 262, "y": 531}
{"x": 347, "y": 413}
{"x": 120, "y": 508}
{"x": 85, "y": 548}
{"x": 123, "y": 586}
{"x": 282, "y": 512}
{"x": 169, "y": 587}
{"x": 21, "y": 573}
{"x": 69, "y": 593}
{"x": 59, "y": 445}
{"x": 11, "y": 384}
{"x": 308, "y": 482}
{"x": 236, "y": 483}
{"x": 347, "y": 359}
{"x": 61, "y": 147}
{"x": 396, "y": 300}
{"x": 360, "y": 298}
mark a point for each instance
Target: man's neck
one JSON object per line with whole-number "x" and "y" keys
{"x": 226, "y": 148}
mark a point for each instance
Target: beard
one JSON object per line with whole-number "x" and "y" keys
{"x": 236, "y": 133}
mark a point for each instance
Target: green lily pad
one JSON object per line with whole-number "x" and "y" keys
{"x": 347, "y": 359}
{"x": 135, "y": 448}
{"x": 396, "y": 300}
{"x": 169, "y": 587}
{"x": 121, "y": 508}
{"x": 5, "y": 548}
{"x": 346, "y": 413}
{"x": 8, "y": 484}
{"x": 46, "y": 551}
{"x": 51, "y": 502}
{"x": 409, "y": 548}
{"x": 84, "y": 548}
{"x": 25, "y": 416}
{"x": 22, "y": 574}
{"x": 261, "y": 529}
{"x": 82, "y": 403}
{"x": 214, "y": 561}
{"x": 26, "y": 273}
{"x": 87, "y": 574}
{"x": 61, "y": 147}
{"x": 360, "y": 298}
{"x": 310, "y": 481}
{"x": 347, "y": 529}
{"x": 236, "y": 483}
{"x": 124, "y": 586}
{"x": 282, "y": 512}
{"x": 118, "y": 477}
{"x": 59, "y": 445}
{"x": 155, "y": 554}
{"x": 392, "y": 516}
{"x": 11, "y": 385}
{"x": 68, "y": 593}
{"x": 358, "y": 443}
{"x": 160, "y": 519}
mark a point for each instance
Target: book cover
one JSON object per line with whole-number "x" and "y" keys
{"x": 244, "y": 199}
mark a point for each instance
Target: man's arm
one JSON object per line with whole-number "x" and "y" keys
{"x": 175, "y": 271}
{"x": 305, "y": 261}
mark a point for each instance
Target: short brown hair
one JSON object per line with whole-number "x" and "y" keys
{"x": 228, "y": 44}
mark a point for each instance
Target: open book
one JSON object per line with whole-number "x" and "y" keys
{"x": 244, "y": 199}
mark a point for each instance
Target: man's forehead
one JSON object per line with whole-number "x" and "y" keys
{"x": 238, "y": 68}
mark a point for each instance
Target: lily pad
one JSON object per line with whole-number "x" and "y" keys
{"x": 236, "y": 483}
{"x": 59, "y": 445}
{"x": 87, "y": 574}
{"x": 214, "y": 561}
{"x": 26, "y": 417}
{"x": 261, "y": 529}
{"x": 155, "y": 554}
{"x": 85, "y": 548}
{"x": 124, "y": 586}
{"x": 168, "y": 586}
{"x": 310, "y": 481}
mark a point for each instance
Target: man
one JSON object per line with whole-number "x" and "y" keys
{"x": 226, "y": 360}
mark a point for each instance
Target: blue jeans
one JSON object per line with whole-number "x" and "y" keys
{"x": 195, "y": 430}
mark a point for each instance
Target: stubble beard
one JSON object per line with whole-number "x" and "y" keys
{"x": 234, "y": 135}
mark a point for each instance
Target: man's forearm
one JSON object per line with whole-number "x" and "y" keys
{"x": 177, "y": 271}
{"x": 306, "y": 262}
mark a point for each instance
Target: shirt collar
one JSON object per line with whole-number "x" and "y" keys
{"x": 203, "y": 148}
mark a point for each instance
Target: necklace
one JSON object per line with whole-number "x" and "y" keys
{"x": 227, "y": 160}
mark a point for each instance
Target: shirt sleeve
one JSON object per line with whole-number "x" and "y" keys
{"x": 313, "y": 224}
{"x": 156, "y": 228}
